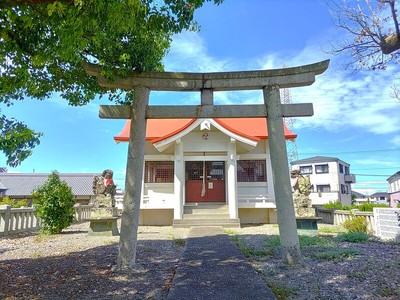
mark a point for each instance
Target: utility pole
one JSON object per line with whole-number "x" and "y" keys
{"x": 291, "y": 147}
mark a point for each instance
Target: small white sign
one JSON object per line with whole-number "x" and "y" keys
{"x": 387, "y": 223}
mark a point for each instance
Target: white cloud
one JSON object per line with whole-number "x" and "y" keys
{"x": 396, "y": 140}
{"x": 189, "y": 54}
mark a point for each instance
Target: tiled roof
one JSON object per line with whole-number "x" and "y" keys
{"x": 315, "y": 159}
{"x": 358, "y": 195}
{"x": 160, "y": 128}
{"x": 22, "y": 184}
{"x": 379, "y": 194}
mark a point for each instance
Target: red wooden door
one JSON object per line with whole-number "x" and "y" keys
{"x": 205, "y": 181}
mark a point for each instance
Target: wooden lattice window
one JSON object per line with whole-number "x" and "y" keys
{"x": 251, "y": 171}
{"x": 158, "y": 171}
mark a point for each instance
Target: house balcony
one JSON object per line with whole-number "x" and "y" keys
{"x": 350, "y": 178}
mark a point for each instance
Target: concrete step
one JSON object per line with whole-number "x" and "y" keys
{"x": 206, "y": 216}
{"x": 226, "y": 223}
{"x": 206, "y": 209}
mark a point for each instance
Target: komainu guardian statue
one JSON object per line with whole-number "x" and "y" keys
{"x": 104, "y": 189}
{"x": 104, "y": 214}
{"x": 301, "y": 191}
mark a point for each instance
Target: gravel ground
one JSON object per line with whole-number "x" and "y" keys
{"x": 73, "y": 265}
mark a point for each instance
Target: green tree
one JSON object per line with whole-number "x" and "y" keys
{"x": 44, "y": 43}
{"x": 54, "y": 204}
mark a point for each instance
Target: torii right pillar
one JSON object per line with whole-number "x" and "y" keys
{"x": 280, "y": 172}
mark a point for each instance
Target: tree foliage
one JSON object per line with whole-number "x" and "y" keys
{"x": 54, "y": 204}
{"x": 16, "y": 140}
{"x": 43, "y": 44}
{"x": 373, "y": 30}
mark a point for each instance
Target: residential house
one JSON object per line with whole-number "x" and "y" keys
{"x": 359, "y": 198}
{"x": 394, "y": 189}
{"x": 21, "y": 185}
{"x": 330, "y": 179}
{"x": 380, "y": 198}
{"x": 214, "y": 169}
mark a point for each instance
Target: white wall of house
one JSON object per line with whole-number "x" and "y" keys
{"x": 328, "y": 181}
{"x": 394, "y": 189}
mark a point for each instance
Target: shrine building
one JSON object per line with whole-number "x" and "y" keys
{"x": 206, "y": 172}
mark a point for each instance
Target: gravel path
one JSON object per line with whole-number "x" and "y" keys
{"x": 72, "y": 265}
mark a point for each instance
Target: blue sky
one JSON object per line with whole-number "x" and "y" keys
{"x": 355, "y": 118}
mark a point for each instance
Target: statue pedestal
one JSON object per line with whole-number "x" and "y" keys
{"x": 307, "y": 225}
{"x": 104, "y": 227}
{"x": 103, "y": 220}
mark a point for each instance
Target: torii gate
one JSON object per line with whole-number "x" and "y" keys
{"x": 270, "y": 81}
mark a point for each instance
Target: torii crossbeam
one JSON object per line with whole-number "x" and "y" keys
{"x": 270, "y": 81}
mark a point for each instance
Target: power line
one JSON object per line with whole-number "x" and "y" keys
{"x": 372, "y": 175}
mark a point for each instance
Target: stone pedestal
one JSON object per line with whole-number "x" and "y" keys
{"x": 307, "y": 225}
{"x": 103, "y": 217}
{"x": 306, "y": 220}
{"x": 103, "y": 227}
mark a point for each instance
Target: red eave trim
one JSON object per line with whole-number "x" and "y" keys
{"x": 250, "y": 137}
{"x": 155, "y": 140}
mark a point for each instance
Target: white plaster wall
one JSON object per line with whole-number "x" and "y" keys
{"x": 215, "y": 142}
{"x": 158, "y": 195}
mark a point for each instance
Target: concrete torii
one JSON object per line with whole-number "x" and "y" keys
{"x": 270, "y": 81}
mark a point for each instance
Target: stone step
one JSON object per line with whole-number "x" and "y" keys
{"x": 206, "y": 216}
{"x": 206, "y": 209}
{"x": 226, "y": 223}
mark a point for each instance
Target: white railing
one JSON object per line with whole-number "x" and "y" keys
{"x": 338, "y": 217}
{"x": 17, "y": 220}
{"x": 255, "y": 201}
{"x": 82, "y": 212}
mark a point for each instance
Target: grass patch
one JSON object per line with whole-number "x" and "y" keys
{"x": 315, "y": 241}
{"x": 334, "y": 230}
{"x": 387, "y": 291}
{"x": 354, "y": 237}
{"x": 281, "y": 292}
{"x": 230, "y": 231}
{"x": 180, "y": 242}
{"x": 304, "y": 240}
{"x": 335, "y": 255}
{"x": 177, "y": 241}
{"x": 251, "y": 252}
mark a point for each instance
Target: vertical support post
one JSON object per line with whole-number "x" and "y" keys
{"x": 179, "y": 178}
{"x": 232, "y": 192}
{"x": 133, "y": 181}
{"x": 207, "y": 97}
{"x": 280, "y": 171}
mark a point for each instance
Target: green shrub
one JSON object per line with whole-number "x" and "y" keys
{"x": 13, "y": 203}
{"x": 369, "y": 206}
{"x": 354, "y": 237}
{"x": 333, "y": 205}
{"x": 54, "y": 204}
{"x": 356, "y": 225}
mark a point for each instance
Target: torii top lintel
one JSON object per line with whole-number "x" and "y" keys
{"x": 218, "y": 81}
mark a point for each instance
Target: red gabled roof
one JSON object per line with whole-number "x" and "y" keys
{"x": 160, "y": 129}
